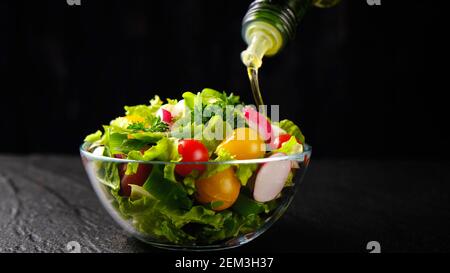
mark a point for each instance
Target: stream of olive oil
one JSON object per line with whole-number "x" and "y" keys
{"x": 254, "y": 83}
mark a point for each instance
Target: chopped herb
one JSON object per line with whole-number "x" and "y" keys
{"x": 156, "y": 126}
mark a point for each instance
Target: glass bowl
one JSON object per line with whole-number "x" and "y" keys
{"x": 96, "y": 167}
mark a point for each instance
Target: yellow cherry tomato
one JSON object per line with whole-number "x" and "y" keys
{"x": 221, "y": 187}
{"x": 244, "y": 143}
{"x": 135, "y": 119}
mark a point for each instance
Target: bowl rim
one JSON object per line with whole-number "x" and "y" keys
{"x": 307, "y": 149}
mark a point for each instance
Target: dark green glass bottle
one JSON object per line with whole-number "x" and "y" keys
{"x": 269, "y": 24}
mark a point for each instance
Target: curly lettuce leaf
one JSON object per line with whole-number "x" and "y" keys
{"x": 129, "y": 145}
{"x": 292, "y": 129}
{"x": 122, "y": 141}
{"x": 172, "y": 101}
{"x": 164, "y": 150}
{"x": 211, "y": 96}
{"x": 233, "y": 225}
{"x": 147, "y": 112}
{"x": 108, "y": 172}
{"x": 93, "y": 137}
{"x": 197, "y": 214}
{"x": 160, "y": 151}
{"x": 142, "y": 110}
{"x": 115, "y": 142}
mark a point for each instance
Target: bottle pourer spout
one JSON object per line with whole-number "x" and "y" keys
{"x": 259, "y": 44}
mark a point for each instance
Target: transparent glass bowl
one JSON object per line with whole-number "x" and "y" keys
{"x": 93, "y": 165}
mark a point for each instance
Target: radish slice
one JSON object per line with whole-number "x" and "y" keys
{"x": 165, "y": 115}
{"x": 99, "y": 151}
{"x": 270, "y": 179}
{"x": 178, "y": 109}
{"x": 259, "y": 123}
{"x": 276, "y": 131}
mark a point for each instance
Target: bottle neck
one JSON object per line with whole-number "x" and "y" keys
{"x": 283, "y": 15}
{"x": 268, "y": 25}
{"x": 263, "y": 39}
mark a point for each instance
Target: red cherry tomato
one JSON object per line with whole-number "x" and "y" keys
{"x": 139, "y": 178}
{"x": 191, "y": 150}
{"x": 282, "y": 139}
{"x": 122, "y": 167}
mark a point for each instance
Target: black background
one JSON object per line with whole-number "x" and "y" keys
{"x": 362, "y": 81}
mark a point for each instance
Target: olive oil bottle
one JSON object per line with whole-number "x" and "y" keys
{"x": 267, "y": 27}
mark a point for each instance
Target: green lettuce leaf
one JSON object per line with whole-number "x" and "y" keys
{"x": 212, "y": 169}
{"x": 214, "y": 132}
{"x": 93, "y": 137}
{"x": 289, "y": 180}
{"x": 211, "y": 96}
{"x": 292, "y": 129}
{"x": 115, "y": 142}
{"x": 164, "y": 150}
{"x": 108, "y": 172}
{"x": 132, "y": 167}
{"x": 233, "y": 225}
{"x": 138, "y": 192}
{"x": 197, "y": 214}
{"x": 169, "y": 192}
{"x": 172, "y": 101}
{"x": 120, "y": 124}
{"x": 129, "y": 145}
{"x": 189, "y": 99}
{"x": 147, "y": 137}
{"x": 159, "y": 151}
{"x": 155, "y": 104}
{"x": 245, "y": 171}
{"x": 246, "y": 206}
{"x": 242, "y": 171}
{"x": 143, "y": 111}
{"x": 189, "y": 182}
{"x": 169, "y": 172}
{"x": 148, "y": 112}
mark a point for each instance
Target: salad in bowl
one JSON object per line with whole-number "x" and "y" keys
{"x": 202, "y": 172}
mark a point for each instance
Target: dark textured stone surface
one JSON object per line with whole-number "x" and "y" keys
{"x": 47, "y": 201}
